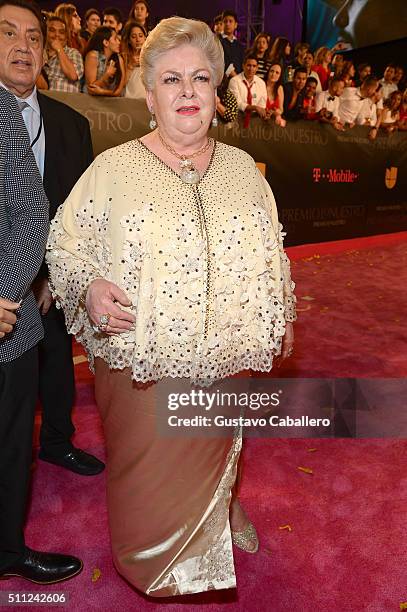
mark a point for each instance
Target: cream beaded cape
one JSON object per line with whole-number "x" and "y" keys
{"x": 203, "y": 265}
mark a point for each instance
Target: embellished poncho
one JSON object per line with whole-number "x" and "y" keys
{"x": 203, "y": 265}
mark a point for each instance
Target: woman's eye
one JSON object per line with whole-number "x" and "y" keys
{"x": 202, "y": 77}
{"x": 171, "y": 79}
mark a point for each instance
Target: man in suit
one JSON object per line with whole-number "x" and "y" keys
{"x": 23, "y": 234}
{"x": 61, "y": 143}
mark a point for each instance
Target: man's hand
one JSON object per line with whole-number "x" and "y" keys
{"x": 7, "y": 316}
{"x": 43, "y": 295}
{"x": 103, "y": 298}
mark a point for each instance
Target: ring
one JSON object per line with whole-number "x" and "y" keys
{"x": 104, "y": 320}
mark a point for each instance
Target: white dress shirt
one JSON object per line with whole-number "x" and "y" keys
{"x": 239, "y": 90}
{"x": 32, "y": 118}
{"x": 324, "y": 100}
{"x": 351, "y": 104}
{"x": 387, "y": 88}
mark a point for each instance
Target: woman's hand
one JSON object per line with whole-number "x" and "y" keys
{"x": 103, "y": 298}
{"x": 110, "y": 70}
{"x": 43, "y": 295}
{"x": 288, "y": 343}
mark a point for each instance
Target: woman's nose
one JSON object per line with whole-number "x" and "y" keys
{"x": 341, "y": 19}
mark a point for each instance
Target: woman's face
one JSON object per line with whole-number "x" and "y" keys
{"x": 137, "y": 38}
{"x": 262, "y": 45}
{"x": 365, "y": 72}
{"x": 75, "y": 22}
{"x": 396, "y": 100}
{"x": 287, "y": 49}
{"x": 140, "y": 12}
{"x": 308, "y": 60}
{"x": 56, "y": 32}
{"x": 114, "y": 43}
{"x": 274, "y": 73}
{"x": 183, "y": 97}
{"x": 93, "y": 23}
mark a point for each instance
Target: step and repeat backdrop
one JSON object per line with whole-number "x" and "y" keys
{"x": 328, "y": 185}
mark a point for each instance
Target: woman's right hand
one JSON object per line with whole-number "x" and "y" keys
{"x": 103, "y": 298}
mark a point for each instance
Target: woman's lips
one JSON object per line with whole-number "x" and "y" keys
{"x": 188, "y": 110}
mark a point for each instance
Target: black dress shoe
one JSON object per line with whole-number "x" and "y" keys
{"x": 44, "y": 568}
{"x": 77, "y": 461}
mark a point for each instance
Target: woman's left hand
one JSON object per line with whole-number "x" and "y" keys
{"x": 288, "y": 343}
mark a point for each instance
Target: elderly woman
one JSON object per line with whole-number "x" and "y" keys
{"x": 161, "y": 276}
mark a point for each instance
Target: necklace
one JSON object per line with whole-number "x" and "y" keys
{"x": 188, "y": 173}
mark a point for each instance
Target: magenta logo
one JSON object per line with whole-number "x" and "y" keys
{"x": 334, "y": 175}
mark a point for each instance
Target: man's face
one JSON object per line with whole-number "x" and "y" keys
{"x": 299, "y": 81}
{"x": 365, "y": 72}
{"x": 56, "y": 32}
{"x": 229, "y": 25}
{"x": 21, "y": 49}
{"x": 336, "y": 88}
{"x": 367, "y": 91}
{"x": 250, "y": 68}
{"x": 308, "y": 60}
{"x": 365, "y": 22}
{"x": 111, "y": 22}
{"x": 389, "y": 74}
{"x": 310, "y": 89}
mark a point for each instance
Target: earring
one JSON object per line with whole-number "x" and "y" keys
{"x": 215, "y": 121}
{"x": 153, "y": 122}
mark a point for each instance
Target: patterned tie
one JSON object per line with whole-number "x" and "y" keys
{"x": 249, "y": 101}
{"x": 22, "y": 105}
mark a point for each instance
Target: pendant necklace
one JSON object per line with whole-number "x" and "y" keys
{"x": 188, "y": 173}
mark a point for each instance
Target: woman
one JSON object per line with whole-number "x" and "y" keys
{"x": 391, "y": 112}
{"x": 308, "y": 62}
{"x": 63, "y": 65}
{"x": 92, "y": 23}
{"x": 275, "y": 95}
{"x": 323, "y": 57}
{"x": 280, "y": 54}
{"x": 104, "y": 66}
{"x": 133, "y": 38}
{"x": 70, "y": 15}
{"x": 140, "y": 13}
{"x": 348, "y": 74}
{"x": 261, "y": 50}
{"x": 162, "y": 277}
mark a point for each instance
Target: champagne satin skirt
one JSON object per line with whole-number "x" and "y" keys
{"x": 168, "y": 498}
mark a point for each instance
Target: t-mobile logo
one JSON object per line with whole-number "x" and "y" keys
{"x": 316, "y": 174}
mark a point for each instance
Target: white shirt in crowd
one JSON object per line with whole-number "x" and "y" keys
{"x": 316, "y": 76}
{"x": 239, "y": 90}
{"x": 368, "y": 114}
{"x": 388, "y": 88}
{"x": 351, "y": 104}
{"x": 325, "y": 100}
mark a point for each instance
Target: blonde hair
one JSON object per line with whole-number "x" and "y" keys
{"x": 172, "y": 33}
{"x": 320, "y": 55}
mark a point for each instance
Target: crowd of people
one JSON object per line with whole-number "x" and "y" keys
{"x": 101, "y": 56}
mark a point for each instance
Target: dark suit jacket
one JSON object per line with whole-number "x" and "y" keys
{"x": 292, "y": 114}
{"x": 68, "y": 152}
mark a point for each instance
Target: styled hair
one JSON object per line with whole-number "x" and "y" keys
{"x": 132, "y": 15}
{"x": 95, "y": 42}
{"x": 126, "y": 48}
{"x": 65, "y": 12}
{"x": 250, "y": 56}
{"x": 277, "y": 84}
{"x": 112, "y": 10}
{"x": 277, "y": 53}
{"x": 90, "y": 12}
{"x": 300, "y": 46}
{"x": 29, "y": 6}
{"x": 297, "y": 70}
{"x": 320, "y": 54}
{"x": 254, "y": 51}
{"x": 229, "y": 13}
{"x": 172, "y": 33}
{"x": 389, "y": 101}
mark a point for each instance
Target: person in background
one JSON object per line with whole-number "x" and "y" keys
{"x": 327, "y": 103}
{"x": 105, "y": 74}
{"x": 348, "y": 73}
{"x": 260, "y": 49}
{"x": 70, "y": 15}
{"x": 308, "y": 106}
{"x": 232, "y": 49}
{"x": 387, "y": 81}
{"x": 371, "y": 112}
{"x": 308, "y": 62}
{"x": 92, "y": 23}
{"x": 226, "y": 103}
{"x": 300, "y": 50}
{"x": 218, "y": 25}
{"x": 294, "y": 95}
{"x": 63, "y": 65}
{"x": 134, "y": 36}
{"x": 323, "y": 57}
{"x": 112, "y": 18}
{"x": 275, "y": 95}
{"x": 280, "y": 53}
{"x": 140, "y": 13}
{"x": 337, "y": 65}
{"x": 355, "y": 100}
{"x": 363, "y": 71}
{"x": 391, "y": 112}
{"x": 402, "y": 124}
{"x": 398, "y": 78}
{"x": 249, "y": 90}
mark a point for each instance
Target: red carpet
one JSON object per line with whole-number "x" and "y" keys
{"x": 347, "y": 548}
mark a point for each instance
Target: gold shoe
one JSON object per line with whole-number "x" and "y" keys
{"x": 243, "y": 539}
